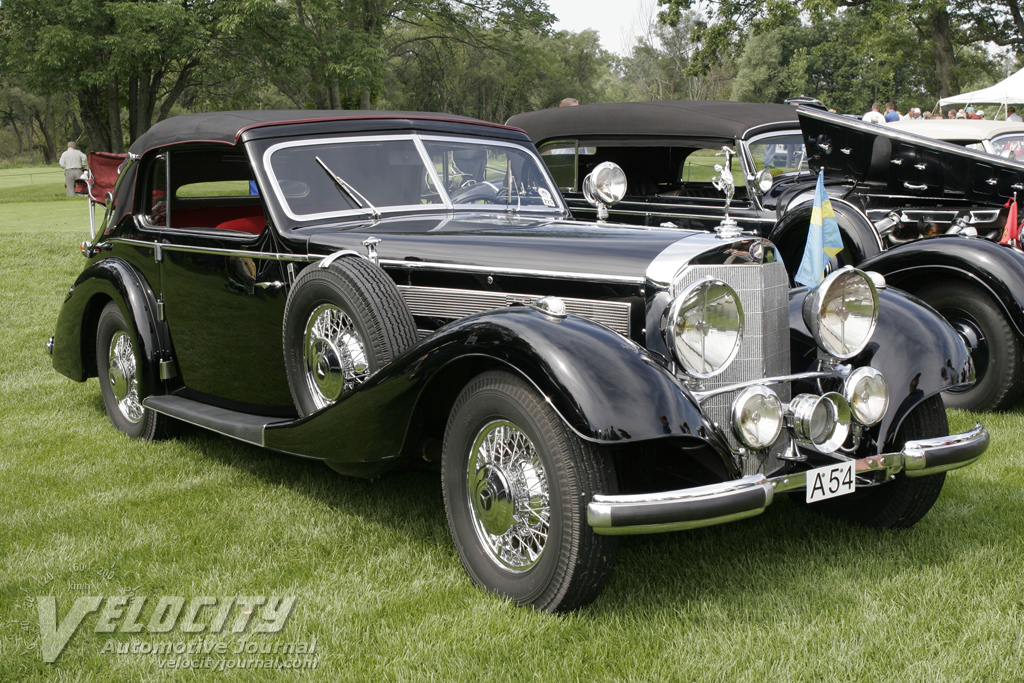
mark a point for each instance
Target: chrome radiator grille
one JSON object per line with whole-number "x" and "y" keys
{"x": 764, "y": 350}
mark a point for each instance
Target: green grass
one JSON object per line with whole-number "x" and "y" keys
{"x": 787, "y": 596}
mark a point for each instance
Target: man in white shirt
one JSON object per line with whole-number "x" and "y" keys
{"x": 874, "y": 116}
{"x": 1012, "y": 115}
{"x": 73, "y": 162}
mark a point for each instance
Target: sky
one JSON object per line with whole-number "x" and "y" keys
{"x": 618, "y": 21}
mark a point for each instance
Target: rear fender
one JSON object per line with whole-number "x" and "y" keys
{"x": 917, "y": 352}
{"x": 995, "y": 268}
{"x": 109, "y": 279}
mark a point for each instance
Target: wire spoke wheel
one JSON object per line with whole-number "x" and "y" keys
{"x": 336, "y": 359}
{"x": 516, "y": 483}
{"x": 508, "y": 494}
{"x": 122, "y": 376}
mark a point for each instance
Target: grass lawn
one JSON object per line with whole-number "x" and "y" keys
{"x": 787, "y": 596}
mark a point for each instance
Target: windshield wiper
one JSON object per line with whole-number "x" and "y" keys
{"x": 352, "y": 193}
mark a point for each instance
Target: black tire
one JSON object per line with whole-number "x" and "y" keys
{"x": 566, "y": 568}
{"x": 903, "y": 502}
{"x": 995, "y": 346}
{"x": 118, "y": 365}
{"x": 341, "y": 324}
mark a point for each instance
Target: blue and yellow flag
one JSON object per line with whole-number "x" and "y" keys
{"x": 823, "y": 240}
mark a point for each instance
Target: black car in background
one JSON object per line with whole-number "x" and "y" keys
{"x": 923, "y": 213}
{"x": 372, "y": 288}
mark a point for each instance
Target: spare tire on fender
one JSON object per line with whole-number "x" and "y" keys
{"x": 342, "y": 323}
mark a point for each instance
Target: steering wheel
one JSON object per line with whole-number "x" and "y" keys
{"x": 467, "y": 194}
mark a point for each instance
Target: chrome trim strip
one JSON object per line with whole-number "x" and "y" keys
{"x": 702, "y": 396}
{"x": 454, "y": 304}
{"x": 673, "y": 214}
{"x": 749, "y": 496}
{"x": 397, "y": 263}
{"x": 163, "y": 246}
{"x": 562, "y": 275}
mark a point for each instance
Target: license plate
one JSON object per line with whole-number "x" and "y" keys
{"x": 829, "y": 482}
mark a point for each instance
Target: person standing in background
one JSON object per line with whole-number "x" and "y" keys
{"x": 73, "y": 162}
{"x": 890, "y": 113}
{"x": 874, "y": 116}
{"x": 1012, "y": 115}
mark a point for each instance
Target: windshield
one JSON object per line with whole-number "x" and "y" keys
{"x": 1010, "y": 146}
{"x": 783, "y": 153}
{"x": 367, "y": 175}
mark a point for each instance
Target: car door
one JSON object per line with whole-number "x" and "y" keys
{"x": 223, "y": 283}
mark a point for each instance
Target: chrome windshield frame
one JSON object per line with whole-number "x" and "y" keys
{"x": 419, "y": 141}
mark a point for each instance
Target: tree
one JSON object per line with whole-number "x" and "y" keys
{"x": 141, "y": 55}
{"x": 661, "y": 65}
{"x": 940, "y": 26}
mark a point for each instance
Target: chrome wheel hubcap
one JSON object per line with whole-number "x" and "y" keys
{"x": 121, "y": 373}
{"x": 335, "y": 355}
{"x": 508, "y": 496}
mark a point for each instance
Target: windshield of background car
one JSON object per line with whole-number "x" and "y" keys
{"x": 1010, "y": 146}
{"x": 402, "y": 173}
{"x": 779, "y": 153}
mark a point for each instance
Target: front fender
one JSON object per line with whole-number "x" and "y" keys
{"x": 606, "y": 388}
{"x": 109, "y": 279}
{"x": 916, "y": 350}
{"x": 995, "y": 268}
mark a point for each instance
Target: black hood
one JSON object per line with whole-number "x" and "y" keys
{"x": 538, "y": 246}
{"x": 904, "y": 163}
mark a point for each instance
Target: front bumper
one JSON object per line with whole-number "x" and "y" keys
{"x": 741, "y": 498}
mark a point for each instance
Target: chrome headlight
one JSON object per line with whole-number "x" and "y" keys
{"x": 757, "y": 417}
{"x": 821, "y": 422}
{"x": 606, "y": 184}
{"x": 842, "y": 311}
{"x": 868, "y": 395}
{"x": 704, "y": 327}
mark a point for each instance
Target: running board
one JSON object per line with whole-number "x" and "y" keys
{"x": 242, "y": 426}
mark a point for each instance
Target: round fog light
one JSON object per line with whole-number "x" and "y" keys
{"x": 868, "y": 395}
{"x": 757, "y": 417}
{"x": 821, "y": 422}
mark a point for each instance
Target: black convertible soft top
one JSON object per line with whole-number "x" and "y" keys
{"x": 669, "y": 118}
{"x": 227, "y": 126}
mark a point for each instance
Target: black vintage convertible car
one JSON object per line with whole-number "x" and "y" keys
{"x": 371, "y": 288}
{"x": 908, "y": 206}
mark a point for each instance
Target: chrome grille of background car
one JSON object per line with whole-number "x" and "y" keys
{"x": 764, "y": 351}
{"x": 454, "y": 304}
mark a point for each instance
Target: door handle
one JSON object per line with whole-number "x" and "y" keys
{"x": 919, "y": 188}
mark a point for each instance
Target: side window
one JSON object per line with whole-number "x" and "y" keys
{"x": 561, "y": 159}
{"x": 699, "y": 167}
{"x": 156, "y": 192}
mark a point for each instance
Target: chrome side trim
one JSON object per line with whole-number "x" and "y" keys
{"x": 398, "y": 263}
{"x": 454, "y": 304}
{"x": 561, "y": 275}
{"x": 161, "y": 246}
{"x": 749, "y": 496}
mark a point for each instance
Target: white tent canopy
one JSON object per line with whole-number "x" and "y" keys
{"x": 1007, "y": 91}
